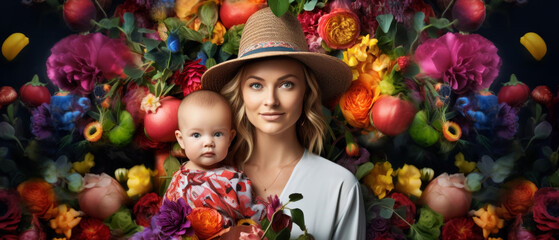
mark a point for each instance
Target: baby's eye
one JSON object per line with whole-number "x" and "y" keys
{"x": 218, "y": 134}
{"x": 287, "y": 85}
{"x": 196, "y": 135}
{"x": 255, "y": 86}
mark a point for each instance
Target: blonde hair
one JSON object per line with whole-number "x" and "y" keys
{"x": 311, "y": 127}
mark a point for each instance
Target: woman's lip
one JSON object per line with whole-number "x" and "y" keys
{"x": 271, "y": 116}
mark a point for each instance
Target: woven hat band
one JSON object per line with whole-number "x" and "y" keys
{"x": 269, "y": 47}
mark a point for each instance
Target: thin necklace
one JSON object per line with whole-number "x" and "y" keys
{"x": 277, "y": 176}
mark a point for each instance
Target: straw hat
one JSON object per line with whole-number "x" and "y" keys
{"x": 266, "y": 35}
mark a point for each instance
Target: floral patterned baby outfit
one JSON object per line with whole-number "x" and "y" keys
{"x": 224, "y": 189}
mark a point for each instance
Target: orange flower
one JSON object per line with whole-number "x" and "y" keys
{"x": 39, "y": 197}
{"x": 356, "y": 102}
{"x": 339, "y": 29}
{"x": 67, "y": 219}
{"x": 518, "y": 198}
{"x": 487, "y": 219}
{"x": 206, "y": 222}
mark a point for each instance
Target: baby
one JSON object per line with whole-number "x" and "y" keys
{"x": 205, "y": 134}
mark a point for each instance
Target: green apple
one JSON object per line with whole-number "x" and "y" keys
{"x": 421, "y": 132}
{"x": 122, "y": 133}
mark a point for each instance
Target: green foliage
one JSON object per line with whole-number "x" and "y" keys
{"x": 428, "y": 226}
{"x": 278, "y": 7}
{"x": 232, "y": 39}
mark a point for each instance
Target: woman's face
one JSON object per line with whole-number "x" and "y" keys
{"x": 273, "y": 91}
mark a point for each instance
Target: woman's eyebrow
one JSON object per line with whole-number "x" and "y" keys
{"x": 281, "y": 78}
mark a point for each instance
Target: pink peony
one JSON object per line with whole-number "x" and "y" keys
{"x": 467, "y": 62}
{"x": 189, "y": 78}
{"x": 101, "y": 196}
{"x": 446, "y": 195}
{"x": 78, "y": 62}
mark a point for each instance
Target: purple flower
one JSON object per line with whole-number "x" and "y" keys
{"x": 153, "y": 232}
{"x": 78, "y": 62}
{"x": 467, "y": 62}
{"x": 351, "y": 162}
{"x": 172, "y": 219}
{"x": 507, "y": 121}
{"x": 41, "y": 122}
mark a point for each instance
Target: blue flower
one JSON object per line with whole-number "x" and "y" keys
{"x": 67, "y": 110}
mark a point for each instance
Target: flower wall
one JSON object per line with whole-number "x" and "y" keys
{"x": 450, "y": 123}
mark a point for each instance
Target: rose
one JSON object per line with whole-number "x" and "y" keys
{"x": 146, "y": 208}
{"x": 357, "y": 101}
{"x": 92, "y": 229}
{"x": 339, "y": 29}
{"x": 10, "y": 213}
{"x": 189, "y": 79}
{"x": 518, "y": 197}
{"x": 462, "y": 228}
{"x": 401, "y": 201}
{"x": 467, "y": 62}
{"x": 206, "y": 222}
{"x": 78, "y": 62}
{"x": 447, "y": 195}
{"x": 38, "y": 196}
{"x": 546, "y": 208}
{"x": 101, "y": 196}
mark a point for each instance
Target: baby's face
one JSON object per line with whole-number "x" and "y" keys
{"x": 205, "y": 134}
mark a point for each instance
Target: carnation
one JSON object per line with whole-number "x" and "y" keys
{"x": 146, "y": 208}
{"x": 41, "y": 122}
{"x": 173, "y": 219}
{"x": 78, "y": 62}
{"x": 462, "y": 228}
{"x": 91, "y": 228}
{"x": 189, "y": 78}
{"x": 466, "y": 62}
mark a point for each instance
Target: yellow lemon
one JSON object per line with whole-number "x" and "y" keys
{"x": 13, "y": 45}
{"x": 535, "y": 45}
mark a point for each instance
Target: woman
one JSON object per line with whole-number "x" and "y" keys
{"x": 275, "y": 88}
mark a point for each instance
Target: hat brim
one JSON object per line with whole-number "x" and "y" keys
{"x": 332, "y": 74}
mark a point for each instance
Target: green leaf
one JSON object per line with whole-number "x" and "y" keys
{"x": 411, "y": 71}
{"x": 108, "y": 23}
{"x": 310, "y": 5}
{"x": 173, "y": 23}
{"x": 386, "y": 213}
{"x": 208, "y": 13}
{"x": 418, "y": 21}
{"x": 145, "y": 30}
{"x": 294, "y": 197}
{"x": 209, "y": 48}
{"x": 190, "y": 34}
{"x": 151, "y": 44}
{"x": 171, "y": 165}
{"x": 363, "y": 170}
{"x": 385, "y": 21}
{"x": 133, "y": 73}
{"x": 278, "y": 7}
{"x": 440, "y": 23}
{"x": 128, "y": 25}
{"x": 210, "y": 62}
{"x": 298, "y": 218}
{"x": 7, "y": 131}
{"x": 284, "y": 234}
{"x": 222, "y": 56}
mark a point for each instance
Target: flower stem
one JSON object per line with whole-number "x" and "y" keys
{"x": 447, "y": 7}
{"x": 272, "y": 220}
{"x": 100, "y": 8}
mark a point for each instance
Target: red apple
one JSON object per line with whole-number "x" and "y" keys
{"x": 161, "y": 125}
{"x": 234, "y": 12}
{"x": 470, "y": 14}
{"x": 392, "y": 115}
{"x": 78, "y": 13}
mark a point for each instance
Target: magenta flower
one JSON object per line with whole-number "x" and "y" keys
{"x": 467, "y": 62}
{"x": 189, "y": 78}
{"x": 281, "y": 220}
{"x": 78, "y": 62}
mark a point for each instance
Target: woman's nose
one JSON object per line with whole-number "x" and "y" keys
{"x": 271, "y": 98}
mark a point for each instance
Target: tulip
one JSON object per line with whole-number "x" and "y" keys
{"x": 535, "y": 45}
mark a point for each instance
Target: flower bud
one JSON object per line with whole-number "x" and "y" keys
{"x": 427, "y": 174}
{"x": 121, "y": 174}
{"x": 352, "y": 149}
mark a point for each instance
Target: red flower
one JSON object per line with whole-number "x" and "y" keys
{"x": 189, "y": 78}
{"x": 405, "y": 202}
{"x": 462, "y": 228}
{"x": 92, "y": 229}
{"x": 146, "y": 207}
{"x": 546, "y": 208}
{"x": 10, "y": 213}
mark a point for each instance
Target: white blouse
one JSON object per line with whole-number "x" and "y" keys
{"x": 332, "y": 202}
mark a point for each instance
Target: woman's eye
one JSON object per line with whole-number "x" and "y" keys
{"x": 196, "y": 135}
{"x": 255, "y": 86}
{"x": 218, "y": 134}
{"x": 287, "y": 85}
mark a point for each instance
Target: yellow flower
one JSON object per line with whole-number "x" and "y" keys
{"x": 84, "y": 166}
{"x": 218, "y": 33}
{"x": 487, "y": 219}
{"x": 409, "y": 180}
{"x": 463, "y": 165}
{"x": 121, "y": 174}
{"x": 380, "y": 179}
{"x": 139, "y": 180}
{"x": 66, "y": 219}
{"x": 535, "y": 45}
{"x": 381, "y": 64}
{"x": 150, "y": 103}
{"x": 361, "y": 55}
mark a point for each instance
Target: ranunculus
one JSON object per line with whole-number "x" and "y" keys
{"x": 189, "y": 78}
{"x": 101, "y": 196}
{"x": 206, "y": 222}
{"x": 518, "y": 197}
{"x": 92, "y": 229}
{"x": 401, "y": 201}
{"x": 447, "y": 195}
{"x": 10, "y": 212}
{"x": 173, "y": 219}
{"x": 78, "y": 62}
{"x": 339, "y": 29}
{"x": 38, "y": 196}
{"x": 357, "y": 101}
{"x": 65, "y": 221}
{"x": 546, "y": 208}
{"x": 380, "y": 179}
{"x": 467, "y": 62}
{"x": 146, "y": 208}
{"x": 409, "y": 180}
{"x": 461, "y": 228}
